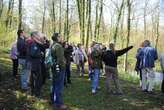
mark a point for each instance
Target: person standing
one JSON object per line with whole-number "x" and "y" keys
{"x": 162, "y": 67}
{"x": 34, "y": 55}
{"x": 139, "y": 63}
{"x": 110, "y": 59}
{"x": 58, "y": 71}
{"x": 13, "y": 56}
{"x": 80, "y": 58}
{"x": 90, "y": 61}
{"x": 96, "y": 66}
{"x": 68, "y": 49}
{"x": 148, "y": 56}
{"x": 22, "y": 51}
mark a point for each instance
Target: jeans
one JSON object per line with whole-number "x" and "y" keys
{"x": 58, "y": 86}
{"x": 67, "y": 74}
{"x": 148, "y": 79}
{"x": 15, "y": 67}
{"x": 24, "y": 73}
{"x": 95, "y": 80}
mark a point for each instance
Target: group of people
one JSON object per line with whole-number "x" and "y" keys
{"x": 30, "y": 54}
{"x": 146, "y": 57}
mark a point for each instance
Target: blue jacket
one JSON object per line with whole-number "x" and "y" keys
{"x": 21, "y": 47}
{"x": 147, "y": 56}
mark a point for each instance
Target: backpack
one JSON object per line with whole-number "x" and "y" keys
{"x": 48, "y": 58}
{"x": 49, "y": 61}
{"x": 34, "y": 51}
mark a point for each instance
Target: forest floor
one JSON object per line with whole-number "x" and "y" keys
{"x": 77, "y": 96}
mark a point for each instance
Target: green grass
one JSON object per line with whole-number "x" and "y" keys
{"x": 76, "y": 96}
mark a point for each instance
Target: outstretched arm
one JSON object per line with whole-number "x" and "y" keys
{"x": 121, "y": 52}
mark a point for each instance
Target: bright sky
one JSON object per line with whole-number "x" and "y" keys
{"x": 30, "y": 7}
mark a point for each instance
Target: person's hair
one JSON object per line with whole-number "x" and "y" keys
{"x": 111, "y": 46}
{"x": 35, "y": 34}
{"x": 19, "y": 32}
{"x": 55, "y": 36}
{"x": 78, "y": 45}
{"x": 147, "y": 43}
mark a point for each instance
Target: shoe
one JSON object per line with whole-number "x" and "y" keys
{"x": 118, "y": 93}
{"x": 62, "y": 107}
{"x": 69, "y": 82}
{"x": 98, "y": 87}
{"x": 151, "y": 92}
{"x": 144, "y": 91}
{"x": 93, "y": 91}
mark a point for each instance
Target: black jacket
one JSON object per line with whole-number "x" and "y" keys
{"x": 110, "y": 57}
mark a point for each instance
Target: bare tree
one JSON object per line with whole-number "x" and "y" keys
{"x": 118, "y": 21}
{"x": 60, "y": 15}
{"x": 9, "y": 13}
{"x": 157, "y": 24}
{"x": 43, "y": 19}
{"x": 20, "y": 14}
{"x": 128, "y": 34}
{"x": 1, "y": 7}
{"x": 89, "y": 22}
{"x": 145, "y": 14}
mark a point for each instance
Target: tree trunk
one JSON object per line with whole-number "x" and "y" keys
{"x": 96, "y": 21}
{"x": 81, "y": 11}
{"x": 128, "y": 34}
{"x": 89, "y": 23}
{"x": 43, "y": 19}
{"x": 145, "y": 23}
{"x": 11, "y": 18}
{"x": 67, "y": 24}
{"x": 60, "y": 19}
{"x": 99, "y": 21}
{"x": 54, "y": 15}
{"x": 20, "y": 14}
{"x": 8, "y": 13}
{"x": 157, "y": 25}
{"x": 118, "y": 21}
{"x": 83, "y": 22}
{"x": 1, "y": 7}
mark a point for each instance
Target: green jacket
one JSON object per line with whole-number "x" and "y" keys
{"x": 58, "y": 53}
{"x": 96, "y": 57}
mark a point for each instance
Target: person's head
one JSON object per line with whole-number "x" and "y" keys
{"x": 37, "y": 36}
{"x": 96, "y": 47}
{"x": 56, "y": 37}
{"x": 93, "y": 43}
{"x": 147, "y": 43}
{"x": 20, "y": 33}
{"x": 112, "y": 46}
{"x": 79, "y": 45}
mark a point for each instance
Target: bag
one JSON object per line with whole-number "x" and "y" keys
{"x": 34, "y": 51}
{"x": 48, "y": 58}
